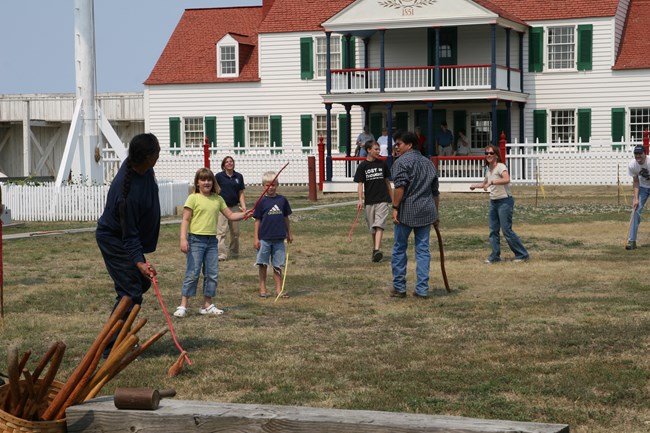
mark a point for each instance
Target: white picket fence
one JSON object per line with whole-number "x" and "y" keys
{"x": 46, "y": 202}
{"x": 595, "y": 163}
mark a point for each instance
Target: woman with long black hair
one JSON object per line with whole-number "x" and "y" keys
{"x": 130, "y": 224}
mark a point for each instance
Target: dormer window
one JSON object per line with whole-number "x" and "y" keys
{"x": 227, "y": 57}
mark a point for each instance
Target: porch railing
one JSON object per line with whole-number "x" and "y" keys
{"x": 461, "y": 77}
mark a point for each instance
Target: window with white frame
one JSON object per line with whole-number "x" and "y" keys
{"x": 563, "y": 126}
{"x": 481, "y": 129}
{"x": 639, "y": 122}
{"x": 227, "y": 60}
{"x": 321, "y": 54}
{"x": 561, "y": 48}
{"x": 194, "y": 132}
{"x": 321, "y": 128}
{"x": 258, "y": 131}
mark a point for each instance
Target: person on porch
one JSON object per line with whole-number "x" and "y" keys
{"x": 444, "y": 139}
{"x": 362, "y": 139}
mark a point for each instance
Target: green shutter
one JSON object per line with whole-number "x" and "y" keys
{"x": 353, "y": 51}
{"x": 535, "y": 49}
{"x": 211, "y": 129}
{"x": 539, "y": 127}
{"x": 618, "y": 126}
{"x": 239, "y": 131}
{"x": 585, "y": 43}
{"x": 306, "y": 131}
{"x": 306, "y": 58}
{"x": 276, "y": 132}
{"x": 376, "y": 123}
{"x": 584, "y": 126}
{"x": 343, "y": 132}
{"x": 402, "y": 121}
{"x": 431, "y": 47}
{"x": 174, "y": 132}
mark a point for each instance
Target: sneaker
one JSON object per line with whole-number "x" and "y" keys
{"x": 520, "y": 260}
{"x": 631, "y": 245}
{"x": 491, "y": 261}
{"x": 377, "y": 255}
{"x": 395, "y": 294}
{"x": 180, "y": 311}
{"x": 212, "y": 310}
{"x": 417, "y": 295}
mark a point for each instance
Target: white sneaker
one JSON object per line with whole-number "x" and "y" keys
{"x": 180, "y": 311}
{"x": 212, "y": 309}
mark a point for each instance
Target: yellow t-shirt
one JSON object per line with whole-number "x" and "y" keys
{"x": 205, "y": 213}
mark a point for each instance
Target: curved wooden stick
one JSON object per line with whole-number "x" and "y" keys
{"x": 442, "y": 258}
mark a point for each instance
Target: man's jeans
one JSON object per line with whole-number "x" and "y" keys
{"x": 500, "y": 217}
{"x": 644, "y": 193}
{"x": 422, "y": 258}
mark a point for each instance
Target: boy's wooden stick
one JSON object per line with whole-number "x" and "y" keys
{"x": 265, "y": 190}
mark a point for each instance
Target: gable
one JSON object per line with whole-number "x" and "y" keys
{"x": 391, "y": 14}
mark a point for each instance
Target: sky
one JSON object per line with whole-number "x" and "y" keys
{"x": 37, "y": 42}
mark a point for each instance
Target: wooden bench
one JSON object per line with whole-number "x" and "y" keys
{"x": 174, "y": 416}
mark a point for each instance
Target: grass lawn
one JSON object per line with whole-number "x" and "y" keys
{"x": 563, "y": 338}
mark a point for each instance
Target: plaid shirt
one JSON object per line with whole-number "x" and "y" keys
{"x": 419, "y": 178}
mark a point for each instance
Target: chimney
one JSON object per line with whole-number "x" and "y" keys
{"x": 266, "y": 6}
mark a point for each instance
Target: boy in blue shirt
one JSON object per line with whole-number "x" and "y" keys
{"x": 271, "y": 229}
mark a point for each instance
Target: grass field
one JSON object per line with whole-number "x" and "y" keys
{"x": 563, "y": 338}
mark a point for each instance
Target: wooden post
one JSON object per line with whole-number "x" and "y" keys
{"x": 646, "y": 141}
{"x": 321, "y": 162}
{"x": 311, "y": 170}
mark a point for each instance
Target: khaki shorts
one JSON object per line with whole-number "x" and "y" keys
{"x": 376, "y": 215}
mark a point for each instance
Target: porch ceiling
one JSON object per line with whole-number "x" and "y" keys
{"x": 455, "y": 96}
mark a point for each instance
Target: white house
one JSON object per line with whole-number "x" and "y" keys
{"x": 554, "y": 71}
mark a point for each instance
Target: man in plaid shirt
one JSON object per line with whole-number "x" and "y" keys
{"x": 415, "y": 208}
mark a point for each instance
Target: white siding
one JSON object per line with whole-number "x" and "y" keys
{"x": 280, "y": 92}
{"x": 599, "y": 89}
{"x": 619, "y": 26}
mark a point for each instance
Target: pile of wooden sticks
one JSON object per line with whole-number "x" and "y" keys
{"x": 87, "y": 379}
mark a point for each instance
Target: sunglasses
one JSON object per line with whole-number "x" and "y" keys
{"x": 489, "y": 153}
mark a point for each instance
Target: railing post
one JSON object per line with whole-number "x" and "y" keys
{"x": 321, "y": 162}
{"x": 646, "y": 141}
{"x": 502, "y": 146}
{"x": 206, "y": 153}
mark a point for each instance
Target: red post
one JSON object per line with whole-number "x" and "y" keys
{"x": 646, "y": 141}
{"x": 311, "y": 170}
{"x": 502, "y": 146}
{"x": 321, "y": 162}
{"x": 206, "y": 153}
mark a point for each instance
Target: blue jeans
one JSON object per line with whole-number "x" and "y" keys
{"x": 422, "y": 258}
{"x": 203, "y": 253}
{"x": 271, "y": 252}
{"x": 500, "y": 217}
{"x": 644, "y": 193}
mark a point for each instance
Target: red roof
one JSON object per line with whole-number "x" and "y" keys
{"x": 190, "y": 55}
{"x": 533, "y": 10}
{"x": 635, "y": 44}
{"x": 300, "y": 15}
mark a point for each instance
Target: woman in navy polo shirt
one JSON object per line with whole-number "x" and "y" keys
{"x": 232, "y": 188}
